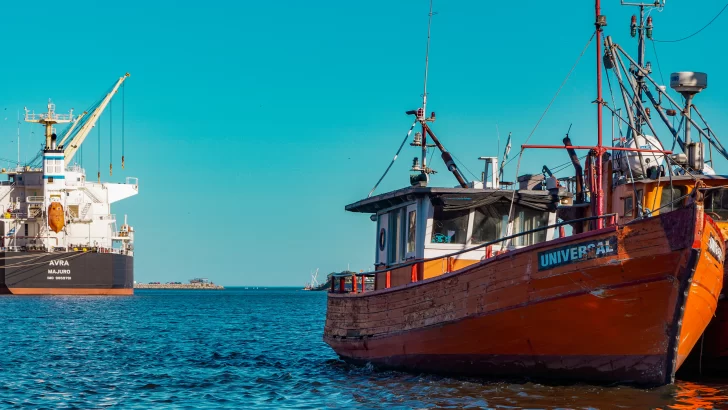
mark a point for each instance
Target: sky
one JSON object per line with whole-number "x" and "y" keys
{"x": 250, "y": 125}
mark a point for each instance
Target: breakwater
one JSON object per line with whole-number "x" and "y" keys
{"x": 198, "y": 286}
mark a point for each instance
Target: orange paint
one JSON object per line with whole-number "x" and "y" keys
{"x": 55, "y": 217}
{"x": 70, "y": 291}
{"x": 632, "y": 314}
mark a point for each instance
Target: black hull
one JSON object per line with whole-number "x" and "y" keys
{"x": 66, "y": 273}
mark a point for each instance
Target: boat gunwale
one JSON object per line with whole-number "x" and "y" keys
{"x": 485, "y": 262}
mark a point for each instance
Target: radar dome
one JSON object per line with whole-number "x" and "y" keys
{"x": 688, "y": 82}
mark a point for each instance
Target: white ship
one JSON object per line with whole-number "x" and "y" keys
{"x": 59, "y": 235}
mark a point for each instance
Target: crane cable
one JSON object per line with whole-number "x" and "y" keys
{"x": 98, "y": 173}
{"x": 111, "y": 136}
{"x": 123, "y": 106}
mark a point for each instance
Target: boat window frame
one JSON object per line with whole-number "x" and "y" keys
{"x": 682, "y": 191}
{"x": 446, "y": 245}
{"x": 434, "y": 246}
{"x": 411, "y": 254}
{"x": 383, "y": 256}
{"x": 628, "y": 212}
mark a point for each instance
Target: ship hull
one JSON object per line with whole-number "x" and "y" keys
{"x": 710, "y": 356}
{"x": 66, "y": 273}
{"x": 630, "y": 316}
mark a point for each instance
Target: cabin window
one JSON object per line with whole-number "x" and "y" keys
{"x": 411, "y": 231}
{"x": 489, "y": 222}
{"x": 396, "y": 236}
{"x": 669, "y": 196}
{"x": 716, "y": 203}
{"x": 628, "y": 206}
{"x": 528, "y": 219}
{"x": 26, "y": 229}
{"x": 450, "y": 226}
{"x": 639, "y": 202}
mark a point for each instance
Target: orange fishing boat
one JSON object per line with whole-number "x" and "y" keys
{"x": 484, "y": 281}
{"x": 693, "y": 135}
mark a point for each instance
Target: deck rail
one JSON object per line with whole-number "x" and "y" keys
{"x": 341, "y": 278}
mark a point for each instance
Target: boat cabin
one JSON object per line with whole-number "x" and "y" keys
{"x": 422, "y": 223}
{"x": 655, "y": 196}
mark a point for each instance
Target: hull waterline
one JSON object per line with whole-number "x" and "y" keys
{"x": 631, "y": 316}
{"x": 66, "y": 273}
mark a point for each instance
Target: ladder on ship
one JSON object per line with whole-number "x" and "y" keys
{"x": 91, "y": 195}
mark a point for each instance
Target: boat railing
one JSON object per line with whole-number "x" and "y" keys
{"x": 357, "y": 284}
{"x": 15, "y": 215}
{"x": 75, "y": 168}
{"x": 34, "y": 199}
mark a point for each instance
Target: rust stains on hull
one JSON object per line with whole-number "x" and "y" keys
{"x": 631, "y": 315}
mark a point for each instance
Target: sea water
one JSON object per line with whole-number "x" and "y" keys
{"x": 244, "y": 348}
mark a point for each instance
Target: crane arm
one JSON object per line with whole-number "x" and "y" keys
{"x": 71, "y": 128}
{"x": 85, "y": 129}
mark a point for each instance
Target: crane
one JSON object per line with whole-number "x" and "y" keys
{"x": 85, "y": 129}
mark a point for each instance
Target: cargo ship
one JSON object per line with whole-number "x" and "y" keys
{"x": 59, "y": 235}
{"x": 483, "y": 280}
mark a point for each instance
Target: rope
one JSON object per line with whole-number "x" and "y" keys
{"x": 704, "y": 27}
{"x": 557, "y": 93}
{"x": 509, "y": 228}
{"x": 393, "y": 159}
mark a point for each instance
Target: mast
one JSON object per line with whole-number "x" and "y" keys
{"x": 48, "y": 120}
{"x": 597, "y": 190}
{"x": 424, "y": 95}
{"x": 644, "y": 28}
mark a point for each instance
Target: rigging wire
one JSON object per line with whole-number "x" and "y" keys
{"x": 557, "y": 92}
{"x": 659, "y": 67}
{"x": 704, "y": 27}
{"x": 393, "y": 159}
{"x": 463, "y": 164}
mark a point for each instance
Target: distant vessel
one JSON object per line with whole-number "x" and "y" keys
{"x": 59, "y": 236}
{"x": 196, "y": 283}
{"x": 315, "y": 285}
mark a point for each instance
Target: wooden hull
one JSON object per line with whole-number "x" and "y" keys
{"x": 632, "y": 315}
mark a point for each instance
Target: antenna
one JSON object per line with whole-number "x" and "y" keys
{"x": 427, "y": 59}
{"x": 421, "y": 117}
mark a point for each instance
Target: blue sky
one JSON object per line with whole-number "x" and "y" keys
{"x": 252, "y": 124}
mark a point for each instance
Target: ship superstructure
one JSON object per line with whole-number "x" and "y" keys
{"x": 59, "y": 235}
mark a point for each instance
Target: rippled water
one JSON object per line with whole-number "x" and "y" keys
{"x": 242, "y": 348}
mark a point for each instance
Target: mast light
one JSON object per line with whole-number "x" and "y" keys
{"x": 649, "y": 27}
{"x": 633, "y": 26}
